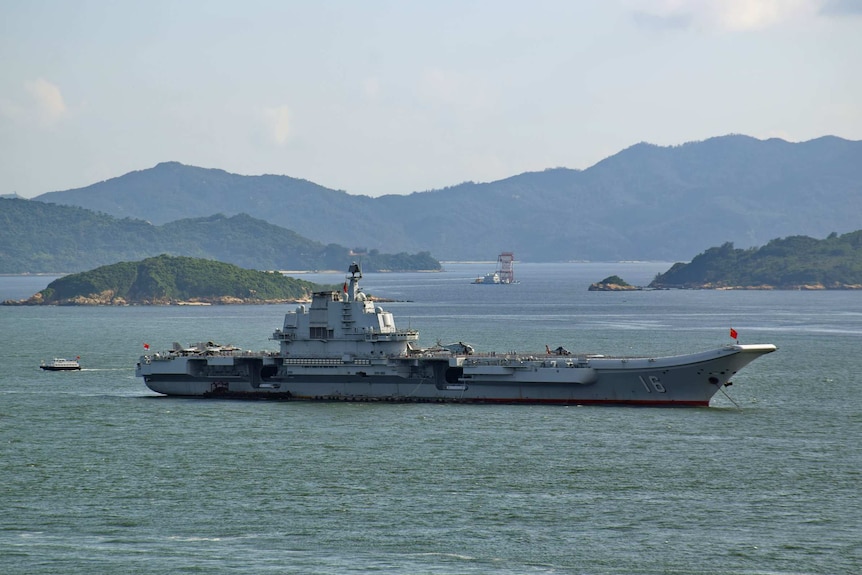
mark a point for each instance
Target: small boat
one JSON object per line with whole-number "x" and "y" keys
{"x": 491, "y": 278}
{"x": 60, "y": 364}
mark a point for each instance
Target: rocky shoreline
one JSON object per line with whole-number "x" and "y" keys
{"x": 793, "y": 287}
{"x": 611, "y": 286}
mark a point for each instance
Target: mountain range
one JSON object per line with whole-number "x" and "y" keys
{"x": 646, "y": 202}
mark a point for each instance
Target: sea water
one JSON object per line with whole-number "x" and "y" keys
{"x": 100, "y": 475}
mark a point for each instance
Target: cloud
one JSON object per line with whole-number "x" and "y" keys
{"x": 723, "y": 15}
{"x": 40, "y": 102}
{"x": 757, "y": 14}
{"x": 278, "y": 123}
{"x": 47, "y": 101}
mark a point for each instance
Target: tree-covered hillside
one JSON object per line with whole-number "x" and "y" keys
{"x": 36, "y": 237}
{"x": 166, "y": 279}
{"x": 796, "y": 262}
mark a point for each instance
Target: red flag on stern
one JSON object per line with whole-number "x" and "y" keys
{"x": 733, "y": 334}
{"x": 146, "y": 346}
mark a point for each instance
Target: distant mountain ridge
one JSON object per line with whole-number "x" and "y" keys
{"x": 646, "y": 202}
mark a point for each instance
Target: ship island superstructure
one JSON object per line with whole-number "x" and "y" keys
{"x": 344, "y": 347}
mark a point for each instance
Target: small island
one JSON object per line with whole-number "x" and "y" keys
{"x": 170, "y": 280}
{"x": 612, "y": 283}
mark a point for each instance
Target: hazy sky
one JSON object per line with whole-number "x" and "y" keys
{"x": 377, "y": 97}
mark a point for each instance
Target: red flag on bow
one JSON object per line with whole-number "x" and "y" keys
{"x": 146, "y": 346}
{"x": 733, "y": 334}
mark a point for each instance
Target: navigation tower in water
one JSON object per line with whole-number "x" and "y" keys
{"x": 507, "y": 267}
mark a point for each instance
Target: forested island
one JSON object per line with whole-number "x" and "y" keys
{"x": 612, "y": 283}
{"x": 795, "y": 262}
{"x": 165, "y": 280}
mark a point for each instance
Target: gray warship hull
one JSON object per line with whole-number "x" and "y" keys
{"x": 345, "y": 349}
{"x": 687, "y": 380}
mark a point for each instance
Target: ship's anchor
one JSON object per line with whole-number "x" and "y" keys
{"x": 728, "y": 397}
